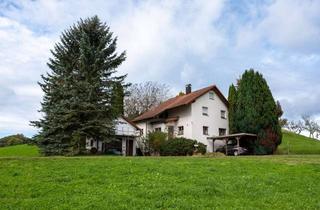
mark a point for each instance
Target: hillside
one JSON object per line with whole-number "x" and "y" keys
{"x": 298, "y": 144}
{"x": 22, "y": 150}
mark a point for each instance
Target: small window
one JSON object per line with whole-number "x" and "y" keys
{"x": 222, "y": 131}
{"x": 141, "y": 131}
{"x": 180, "y": 130}
{"x": 211, "y": 95}
{"x": 157, "y": 129}
{"x": 223, "y": 114}
{"x": 205, "y": 111}
{"x": 205, "y": 130}
{"x": 91, "y": 143}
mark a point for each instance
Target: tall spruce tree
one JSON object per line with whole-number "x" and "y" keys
{"x": 256, "y": 112}
{"x": 78, "y": 92}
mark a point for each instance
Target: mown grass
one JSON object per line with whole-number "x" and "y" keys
{"x": 298, "y": 144}
{"x": 264, "y": 182}
{"x": 22, "y": 150}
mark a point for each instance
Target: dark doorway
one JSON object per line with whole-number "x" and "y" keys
{"x": 129, "y": 147}
{"x": 170, "y": 131}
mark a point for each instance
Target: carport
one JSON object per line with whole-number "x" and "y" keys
{"x": 226, "y": 138}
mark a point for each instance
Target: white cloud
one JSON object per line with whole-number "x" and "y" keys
{"x": 174, "y": 42}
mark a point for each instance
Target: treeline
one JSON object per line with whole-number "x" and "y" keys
{"x": 15, "y": 140}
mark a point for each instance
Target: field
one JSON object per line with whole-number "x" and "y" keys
{"x": 265, "y": 182}
{"x": 28, "y": 181}
{"x": 23, "y": 150}
{"x": 298, "y": 144}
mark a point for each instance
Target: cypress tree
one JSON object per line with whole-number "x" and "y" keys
{"x": 77, "y": 102}
{"x": 256, "y": 112}
{"x": 232, "y": 108}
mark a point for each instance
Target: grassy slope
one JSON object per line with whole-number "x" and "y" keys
{"x": 298, "y": 144}
{"x": 265, "y": 182}
{"x": 23, "y": 150}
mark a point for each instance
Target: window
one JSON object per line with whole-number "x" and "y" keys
{"x": 205, "y": 130}
{"x": 222, "y": 131}
{"x": 180, "y": 130}
{"x": 141, "y": 131}
{"x": 91, "y": 143}
{"x": 157, "y": 129}
{"x": 211, "y": 95}
{"x": 223, "y": 114}
{"x": 205, "y": 111}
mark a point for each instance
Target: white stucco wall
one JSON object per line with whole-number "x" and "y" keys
{"x": 192, "y": 119}
{"x": 213, "y": 121}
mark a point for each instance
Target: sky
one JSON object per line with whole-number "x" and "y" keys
{"x": 172, "y": 42}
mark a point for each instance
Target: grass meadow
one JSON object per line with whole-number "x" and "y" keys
{"x": 28, "y": 181}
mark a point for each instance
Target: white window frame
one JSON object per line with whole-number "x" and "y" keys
{"x": 211, "y": 95}
{"x": 205, "y": 111}
{"x": 180, "y": 131}
{"x": 223, "y": 114}
{"x": 203, "y": 130}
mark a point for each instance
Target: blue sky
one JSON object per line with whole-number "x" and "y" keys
{"x": 173, "y": 42}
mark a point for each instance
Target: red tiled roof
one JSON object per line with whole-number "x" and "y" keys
{"x": 180, "y": 101}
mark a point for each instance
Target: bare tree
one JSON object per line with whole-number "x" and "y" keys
{"x": 144, "y": 96}
{"x": 296, "y": 127}
{"x": 310, "y": 125}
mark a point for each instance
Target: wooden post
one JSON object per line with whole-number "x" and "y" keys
{"x": 213, "y": 145}
{"x": 226, "y": 140}
{"x": 238, "y": 144}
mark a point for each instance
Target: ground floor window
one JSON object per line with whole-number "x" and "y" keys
{"x": 180, "y": 130}
{"x": 157, "y": 129}
{"x": 222, "y": 131}
{"x": 205, "y": 130}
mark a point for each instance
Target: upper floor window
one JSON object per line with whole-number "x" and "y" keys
{"x": 205, "y": 111}
{"x": 157, "y": 129}
{"x": 205, "y": 130}
{"x": 223, "y": 114}
{"x": 180, "y": 130}
{"x": 211, "y": 95}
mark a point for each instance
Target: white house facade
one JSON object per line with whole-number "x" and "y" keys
{"x": 125, "y": 143}
{"x": 195, "y": 115}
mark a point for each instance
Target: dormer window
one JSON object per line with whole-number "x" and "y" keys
{"x": 211, "y": 95}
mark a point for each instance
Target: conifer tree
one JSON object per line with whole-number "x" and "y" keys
{"x": 77, "y": 102}
{"x": 257, "y": 112}
{"x": 232, "y": 108}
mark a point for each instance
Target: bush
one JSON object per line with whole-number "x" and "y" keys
{"x": 155, "y": 140}
{"x": 181, "y": 147}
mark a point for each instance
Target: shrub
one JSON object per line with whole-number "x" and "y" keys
{"x": 181, "y": 147}
{"x": 155, "y": 140}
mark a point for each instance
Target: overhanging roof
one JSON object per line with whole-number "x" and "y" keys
{"x": 180, "y": 101}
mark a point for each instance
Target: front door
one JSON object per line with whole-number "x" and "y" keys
{"x": 129, "y": 147}
{"x": 170, "y": 131}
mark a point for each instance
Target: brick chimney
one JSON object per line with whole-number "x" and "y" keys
{"x": 188, "y": 88}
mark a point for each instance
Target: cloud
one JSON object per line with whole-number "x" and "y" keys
{"x": 173, "y": 42}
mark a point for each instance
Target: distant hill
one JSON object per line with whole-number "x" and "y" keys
{"x": 298, "y": 144}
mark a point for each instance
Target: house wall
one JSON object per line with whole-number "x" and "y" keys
{"x": 213, "y": 121}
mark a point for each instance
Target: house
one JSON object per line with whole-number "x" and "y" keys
{"x": 125, "y": 143}
{"x": 195, "y": 115}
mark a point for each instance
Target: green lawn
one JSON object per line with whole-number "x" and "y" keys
{"x": 265, "y": 182}
{"x": 23, "y": 150}
{"x": 298, "y": 144}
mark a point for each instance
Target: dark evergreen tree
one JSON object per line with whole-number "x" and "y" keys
{"x": 257, "y": 112}
{"x": 78, "y": 92}
{"x": 232, "y": 97}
